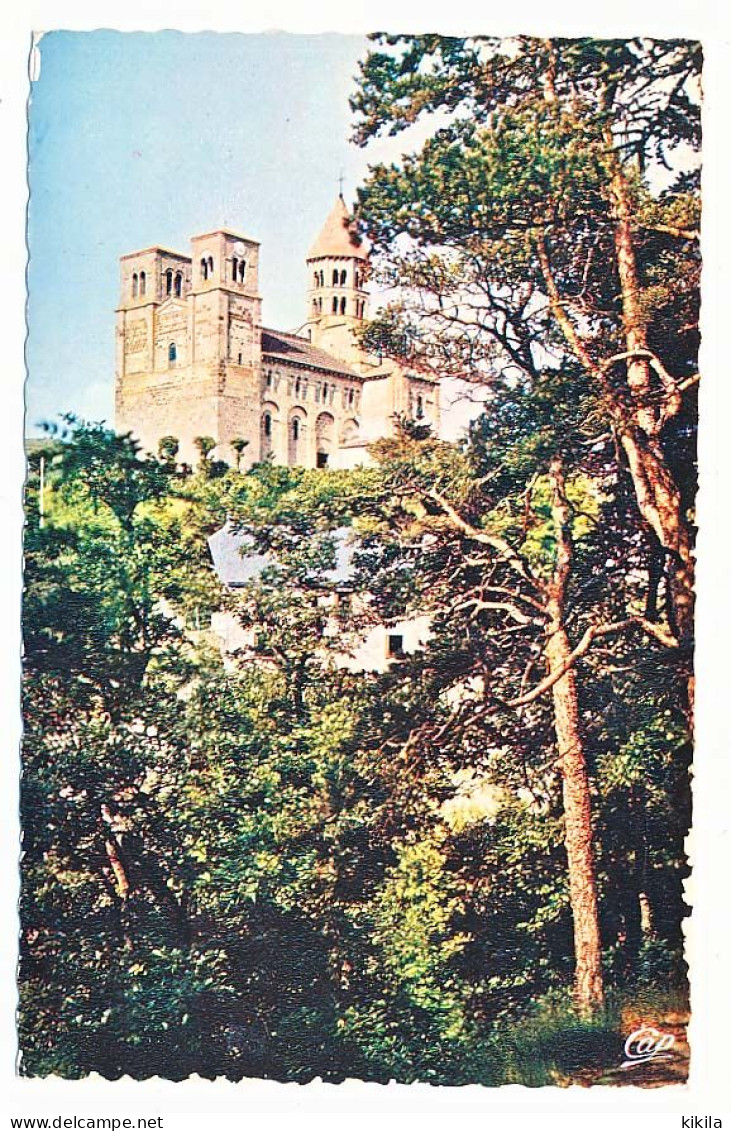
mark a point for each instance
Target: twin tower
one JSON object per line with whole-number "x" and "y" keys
{"x": 194, "y": 360}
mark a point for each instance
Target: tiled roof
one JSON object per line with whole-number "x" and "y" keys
{"x": 277, "y": 346}
{"x": 237, "y": 561}
{"x": 336, "y": 238}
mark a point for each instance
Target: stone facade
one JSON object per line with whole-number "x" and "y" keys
{"x": 193, "y": 358}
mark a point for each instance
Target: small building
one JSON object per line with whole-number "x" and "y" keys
{"x": 371, "y": 648}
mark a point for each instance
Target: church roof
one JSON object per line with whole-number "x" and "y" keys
{"x": 278, "y": 346}
{"x": 337, "y": 240}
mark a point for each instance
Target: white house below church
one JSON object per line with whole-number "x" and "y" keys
{"x": 238, "y": 563}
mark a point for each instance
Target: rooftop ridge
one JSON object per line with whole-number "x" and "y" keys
{"x": 226, "y": 232}
{"x": 155, "y": 247}
{"x": 288, "y": 334}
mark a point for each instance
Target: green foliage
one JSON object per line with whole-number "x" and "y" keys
{"x": 167, "y": 448}
{"x": 554, "y": 1044}
{"x": 413, "y": 916}
{"x": 303, "y": 899}
{"x": 205, "y": 445}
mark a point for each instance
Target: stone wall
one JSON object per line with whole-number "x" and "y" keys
{"x": 181, "y": 403}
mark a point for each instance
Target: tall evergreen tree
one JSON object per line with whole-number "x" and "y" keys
{"x": 515, "y": 236}
{"x": 553, "y": 212}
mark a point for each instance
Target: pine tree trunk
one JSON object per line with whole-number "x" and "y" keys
{"x": 588, "y": 983}
{"x": 659, "y": 502}
{"x": 657, "y": 493}
{"x": 639, "y": 418}
{"x": 117, "y": 868}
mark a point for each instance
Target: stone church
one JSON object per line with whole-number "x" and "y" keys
{"x": 193, "y": 358}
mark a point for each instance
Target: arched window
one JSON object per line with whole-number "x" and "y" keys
{"x": 269, "y": 380}
{"x": 322, "y": 278}
{"x": 298, "y": 387}
{"x": 342, "y": 306}
{"x": 325, "y": 391}
{"x": 210, "y": 265}
{"x": 335, "y": 278}
{"x": 168, "y": 282}
{"x": 172, "y": 353}
{"x": 135, "y": 284}
{"x": 324, "y": 435}
{"x": 357, "y": 280}
{"x": 242, "y": 270}
{"x": 204, "y": 268}
{"x": 335, "y": 305}
{"x": 296, "y": 437}
{"x": 178, "y": 283}
{"x": 143, "y": 282}
{"x": 241, "y": 359}
{"x": 314, "y": 306}
{"x": 343, "y": 277}
{"x": 351, "y": 397}
{"x": 419, "y": 407}
{"x": 234, "y": 269}
{"x": 317, "y": 279}
{"x": 266, "y": 431}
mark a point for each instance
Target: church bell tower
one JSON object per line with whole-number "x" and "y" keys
{"x": 337, "y": 300}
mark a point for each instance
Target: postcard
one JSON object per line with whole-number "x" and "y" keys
{"x": 359, "y": 559}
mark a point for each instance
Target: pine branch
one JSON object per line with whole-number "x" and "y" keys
{"x": 499, "y": 545}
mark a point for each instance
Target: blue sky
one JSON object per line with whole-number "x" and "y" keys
{"x": 145, "y": 138}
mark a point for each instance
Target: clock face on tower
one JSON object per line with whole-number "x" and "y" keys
{"x": 239, "y": 249}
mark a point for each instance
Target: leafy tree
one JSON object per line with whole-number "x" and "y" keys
{"x": 515, "y": 237}
{"x": 168, "y": 448}
{"x": 239, "y": 445}
{"x": 204, "y": 445}
{"x": 514, "y": 564}
{"x": 104, "y": 661}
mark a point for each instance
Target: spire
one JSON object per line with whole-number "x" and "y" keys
{"x": 337, "y": 240}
